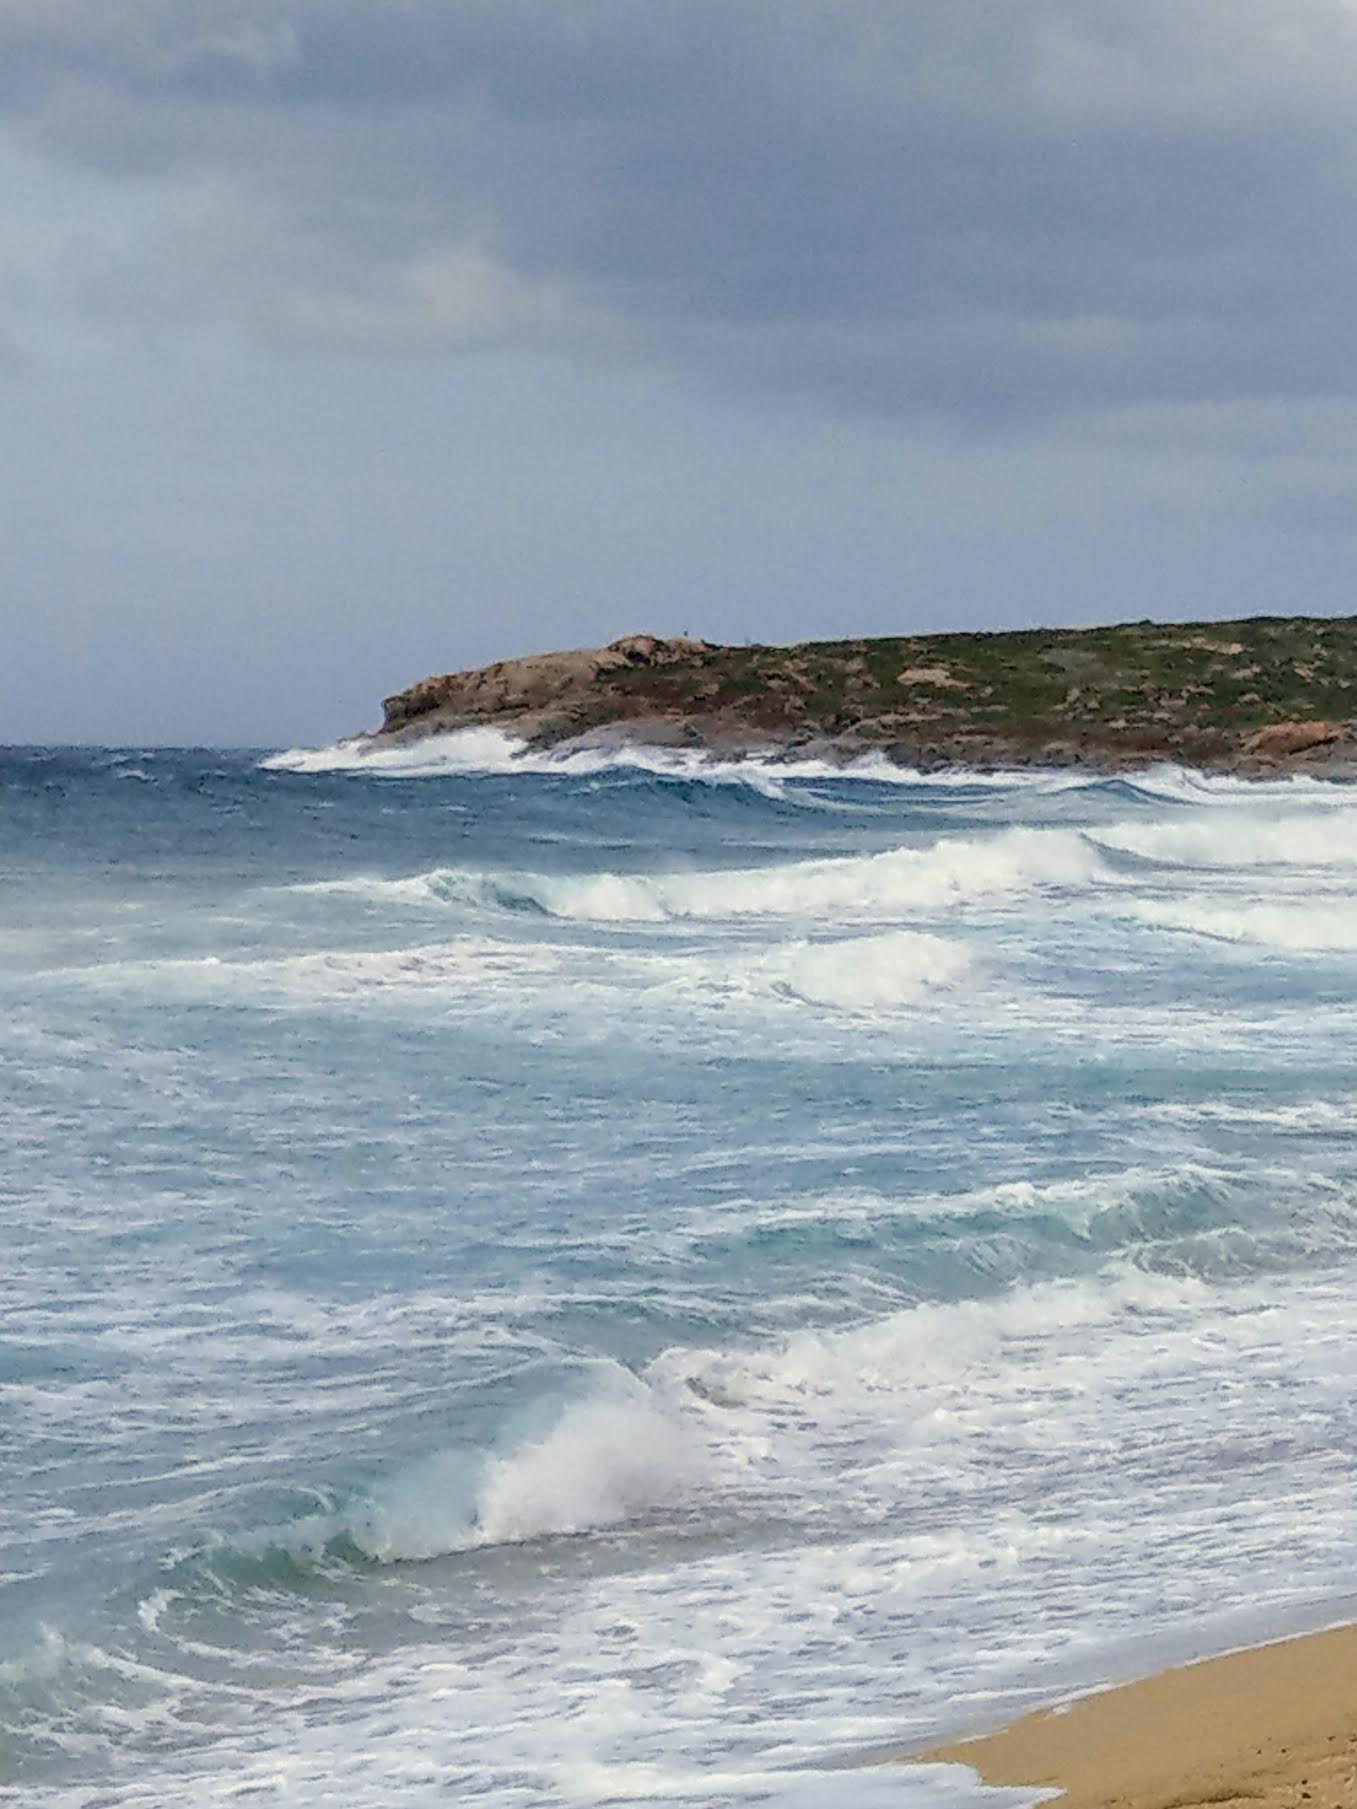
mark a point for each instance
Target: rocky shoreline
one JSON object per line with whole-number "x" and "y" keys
{"x": 1259, "y": 697}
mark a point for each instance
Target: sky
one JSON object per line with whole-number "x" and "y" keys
{"x": 346, "y": 341}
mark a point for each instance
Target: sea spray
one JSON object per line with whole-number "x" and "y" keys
{"x": 617, "y": 1453}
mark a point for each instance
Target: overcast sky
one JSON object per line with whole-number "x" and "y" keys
{"x": 343, "y": 341}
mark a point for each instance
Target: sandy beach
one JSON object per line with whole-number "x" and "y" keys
{"x": 1271, "y": 1727}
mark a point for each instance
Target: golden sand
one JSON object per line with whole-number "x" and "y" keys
{"x": 1271, "y": 1728}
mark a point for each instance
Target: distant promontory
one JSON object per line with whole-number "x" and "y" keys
{"x": 1268, "y": 694}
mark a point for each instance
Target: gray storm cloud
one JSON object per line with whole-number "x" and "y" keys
{"x": 984, "y": 210}
{"x": 347, "y": 340}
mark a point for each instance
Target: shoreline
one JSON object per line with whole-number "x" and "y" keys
{"x": 848, "y": 752}
{"x": 1261, "y": 695}
{"x": 1272, "y": 1726}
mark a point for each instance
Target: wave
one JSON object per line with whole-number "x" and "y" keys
{"x": 948, "y": 871}
{"x": 704, "y": 1426}
{"x": 481, "y": 752}
{"x": 661, "y": 1442}
{"x": 626, "y": 1450}
{"x": 1190, "y": 1218}
{"x": 856, "y": 975}
{"x": 1298, "y": 927}
{"x": 607, "y": 1460}
{"x": 864, "y": 974}
{"x": 909, "y": 1353}
{"x": 486, "y": 752}
{"x": 1304, "y": 1116}
{"x": 470, "y": 963}
{"x": 1170, "y": 783}
{"x": 490, "y": 752}
{"x": 1241, "y": 841}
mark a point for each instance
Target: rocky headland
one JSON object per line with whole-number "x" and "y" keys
{"x": 1264, "y": 695}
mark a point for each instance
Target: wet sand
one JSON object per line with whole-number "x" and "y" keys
{"x": 1271, "y": 1727}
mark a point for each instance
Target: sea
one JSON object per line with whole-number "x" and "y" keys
{"x": 618, "y": 1278}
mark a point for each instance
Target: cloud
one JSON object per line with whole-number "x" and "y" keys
{"x": 955, "y": 208}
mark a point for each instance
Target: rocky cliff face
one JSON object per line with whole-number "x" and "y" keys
{"x": 1262, "y": 695}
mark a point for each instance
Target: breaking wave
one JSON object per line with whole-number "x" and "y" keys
{"x": 865, "y": 973}
{"x": 1168, "y": 783}
{"x": 909, "y": 1353}
{"x": 1243, "y": 840}
{"x": 872, "y": 885}
{"x": 665, "y": 1441}
{"x": 606, "y": 1461}
{"x": 1295, "y": 926}
{"x": 624, "y": 1451}
{"x": 484, "y": 751}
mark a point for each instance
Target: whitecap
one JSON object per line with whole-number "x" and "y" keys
{"x": 1242, "y": 840}
{"x": 949, "y": 871}
{"x": 491, "y": 751}
{"x": 1294, "y": 925}
{"x": 620, "y": 1452}
{"x": 864, "y": 974}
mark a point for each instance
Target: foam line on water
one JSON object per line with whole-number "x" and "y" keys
{"x": 853, "y": 974}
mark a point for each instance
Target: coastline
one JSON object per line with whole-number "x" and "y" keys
{"x": 1263, "y": 697}
{"x": 1270, "y": 1727}
{"x": 969, "y": 755}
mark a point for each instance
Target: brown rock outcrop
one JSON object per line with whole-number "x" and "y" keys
{"x": 655, "y": 649}
{"x": 1257, "y": 696}
{"x": 1280, "y": 740}
{"x": 539, "y": 687}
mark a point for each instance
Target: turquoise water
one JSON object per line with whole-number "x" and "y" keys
{"x": 573, "y": 1282}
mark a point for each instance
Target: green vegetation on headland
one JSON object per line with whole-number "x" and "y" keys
{"x": 1249, "y": 696}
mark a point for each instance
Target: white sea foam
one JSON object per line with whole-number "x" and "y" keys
{"x": 607, "y": 1460}
{"x": 470, "y": 751}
